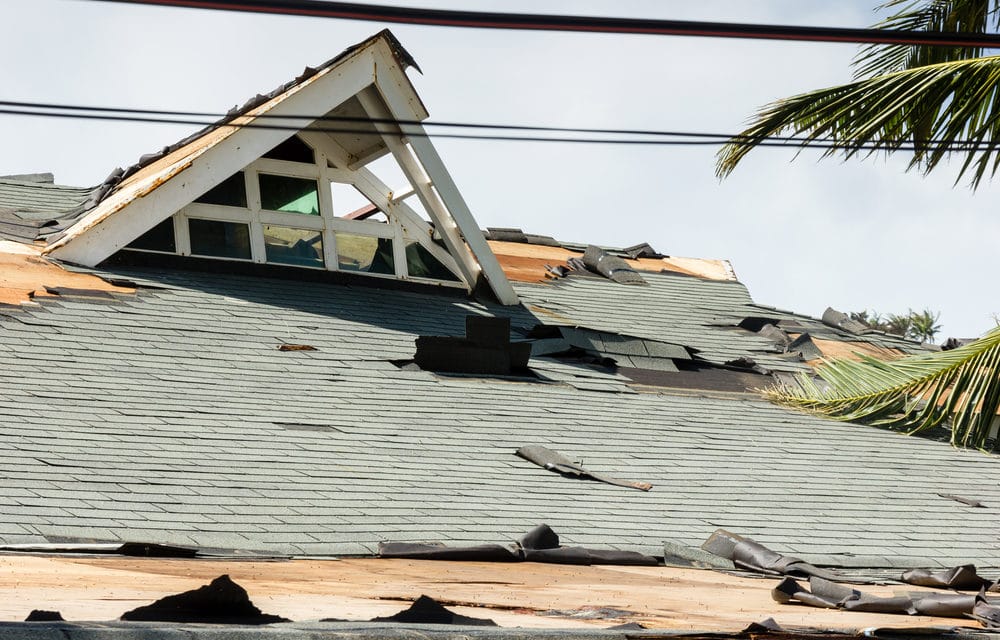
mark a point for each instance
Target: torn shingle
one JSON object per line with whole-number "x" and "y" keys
{"x": 805, "y": 346}
{"x": 642, "y": 250}
{"x": 841, "y": 320}
{"x": 553, "y": 461}
{"x": 612, "y": 267}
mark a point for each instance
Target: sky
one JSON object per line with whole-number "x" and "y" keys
{"x": 802, "y": 233}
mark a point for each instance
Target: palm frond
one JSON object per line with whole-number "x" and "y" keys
{"x": 931, "y": 112}
{"x": 959, "y": 388}
{"x": 959, "y": 16}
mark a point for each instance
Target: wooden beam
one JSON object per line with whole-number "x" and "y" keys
{"x": 390, "y": 81}
{"x": 378, "y": 192}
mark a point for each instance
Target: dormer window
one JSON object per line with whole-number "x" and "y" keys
{"x": 266, "y": 186}
{"x": 292, "y": 207}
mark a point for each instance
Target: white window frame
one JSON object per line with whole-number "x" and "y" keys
{"x": 326, "y": 222}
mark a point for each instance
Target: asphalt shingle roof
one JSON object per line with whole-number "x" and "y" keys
{"x": 31, "y": 209}
{"x": 673, "y": 308}
{"x": 171, "y": 416}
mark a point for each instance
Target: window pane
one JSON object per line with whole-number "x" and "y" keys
{"x": 159, "y": 238}
{"x": 231, "y": 192}
{"x": 292, "y": 150}
{"x": 364, "y": 253}
{"x": 292, "y": 195}
{"x": 220, "y": 239}
{"x": 421, "y": 263}
{"x": 301, "y": 247}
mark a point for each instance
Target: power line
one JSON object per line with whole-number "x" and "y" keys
{"x": 308, "y": 119}
{"x": 587, "y": 24}
{"x": 650, "y": 138}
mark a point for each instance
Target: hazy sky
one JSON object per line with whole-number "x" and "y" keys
{"x": 802, "y": 235}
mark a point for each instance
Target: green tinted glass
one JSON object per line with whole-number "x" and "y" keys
{"x": 292, "y": 195}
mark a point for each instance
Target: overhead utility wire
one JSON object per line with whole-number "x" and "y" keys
{"x": 765, "y": 141}
{"x": 588, "y": 24}
{"x": 308, "y": 119}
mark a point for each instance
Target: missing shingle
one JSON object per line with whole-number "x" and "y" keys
{"x": 756, "y": 323}
{"x": 485, "y": 349}
{"x": 296, "y": 347}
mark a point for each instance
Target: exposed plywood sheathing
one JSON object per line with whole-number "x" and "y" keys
{"x": 523, "y": 594}
{"x": 850, "y": 350}
{"x": 527, "y": 262}
{"x": 24, "y": 276}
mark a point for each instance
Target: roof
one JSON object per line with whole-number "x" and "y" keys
{"x": 170, "y": 414}
{"x": 33, "y": 208}
{"x": 260, "y": 408}
{"x": 529, "y": 596}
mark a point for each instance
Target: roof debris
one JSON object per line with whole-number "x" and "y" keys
{"x": 516, "y": 235}
{"x": 539, "y": 262}
{"x": 970, "y": 502}
{"x": 296, "y": 347}
{"x": 749, "y": 555}
{"x": 612, "y": 267}
{"x": 805, "y": 346}
{"x": 829, "y": 595}
{"x": 541, "y": 544}
{"x": 41, "y": 615}
{"x": 643, "y": 250}
{"x": 841, "y": 320}
{"x": 553, "y": 461}
{"x": 426, "y": 610}
{"x": 963, "y": 578}
{"x": 222, "y": 601}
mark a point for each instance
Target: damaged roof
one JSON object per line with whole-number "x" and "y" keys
{"x": 170, "y": 414}
{"x": 33, "y": 208}
{"x": 175, "y": 400}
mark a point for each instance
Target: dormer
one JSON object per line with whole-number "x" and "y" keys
{"x": 299, "y": 178}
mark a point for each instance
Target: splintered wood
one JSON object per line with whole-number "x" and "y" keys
{"x": 513, "y": 595}
{"x": 527, "y": 262}
{"x": 24, "y": 276}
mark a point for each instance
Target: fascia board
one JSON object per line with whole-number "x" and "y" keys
{"x": 139, "y": 206}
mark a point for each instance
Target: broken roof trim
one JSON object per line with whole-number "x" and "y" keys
{"x": 373, "y": 73}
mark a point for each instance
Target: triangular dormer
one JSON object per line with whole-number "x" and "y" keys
{"x": 274, "y": 183}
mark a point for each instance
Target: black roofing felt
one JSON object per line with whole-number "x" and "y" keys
{"x": 170, "y": 415}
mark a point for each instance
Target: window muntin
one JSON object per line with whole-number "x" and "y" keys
{"x": 217, "y": 239}
{"x": 293, "y": 214}
{"x": 298, "y": 247}
{"x": 231, "y": 192}
{"x": 288, "y": 194}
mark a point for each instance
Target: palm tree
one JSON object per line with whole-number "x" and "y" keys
{"x": 924, "y": 325}
{"x": 930, "y": 103}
